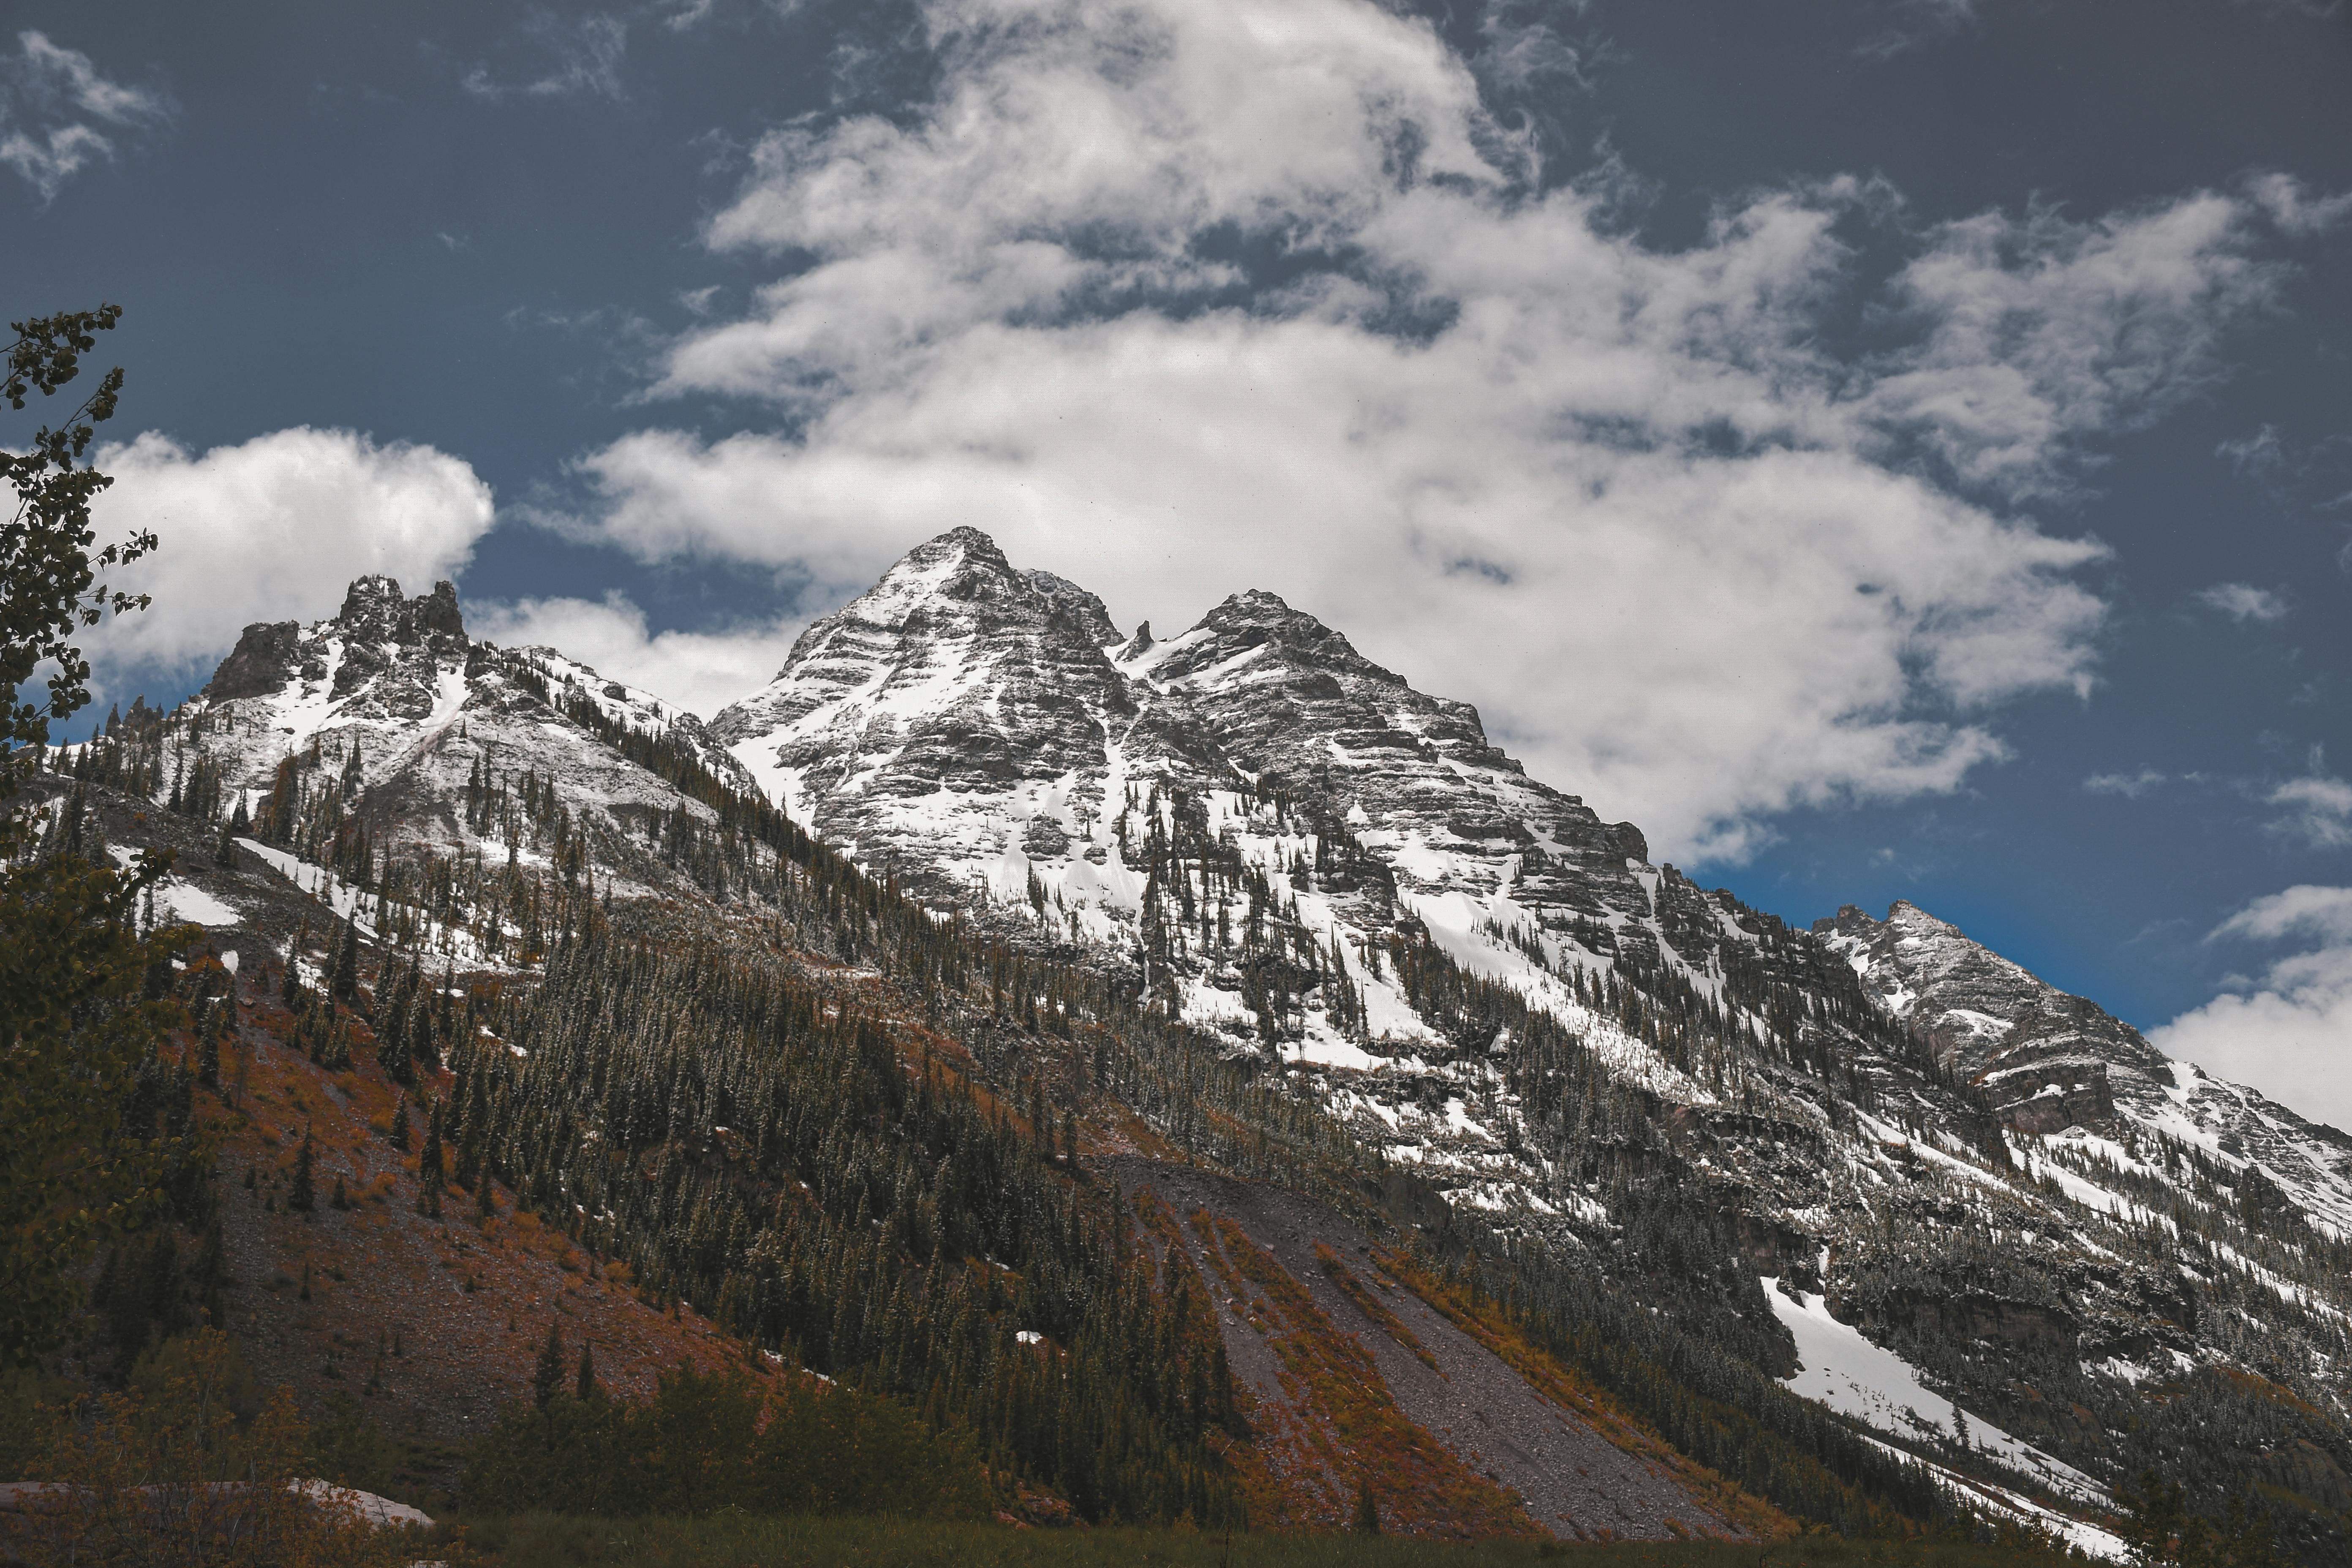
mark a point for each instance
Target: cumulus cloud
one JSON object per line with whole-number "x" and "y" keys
{"x": 2290, "y": 1032}
{"x": 272, "y": 530}
{"x": 1686, "y": 561}
{"x": 700, "y": 671}
{"x": 53, "y": 102}
{"x": 2244, "y": 602}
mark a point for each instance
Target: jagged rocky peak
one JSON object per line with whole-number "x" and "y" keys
{"x": 1085, "y": 611}
{"x": 372, "y": 606}
{"x": 1287, "y": 688}
{"x": 2047, "y": 1060}
{"x": 383, "y": 649}
{"x": 967, "y": 721}
{"x": 955, "y": 673}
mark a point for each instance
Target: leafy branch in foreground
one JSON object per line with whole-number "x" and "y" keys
{"x": 77, "y": 1025}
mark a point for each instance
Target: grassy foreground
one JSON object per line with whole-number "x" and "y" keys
{"x": 744, "y": 1540}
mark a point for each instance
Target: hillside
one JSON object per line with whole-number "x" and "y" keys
{"x": 901, "y": 982}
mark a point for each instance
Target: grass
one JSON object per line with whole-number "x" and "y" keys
{"x": 743, "y": 1541}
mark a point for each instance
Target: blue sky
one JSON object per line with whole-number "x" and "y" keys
{"x": 1887, "y": 449}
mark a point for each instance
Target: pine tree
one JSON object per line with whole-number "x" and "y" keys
{"x": 548, "y": 1377}
{"x": 208, "y": 1045}
{"x": 399, "y": 1134}
{"x": 301, "y": 1195}
{"x": 1367, "y": 1516}
{"x": 345, "y": 983}
{"x": 430, "y": 1175}
{"x": 290, "y": 992}
{"x": 584, "y": 1386}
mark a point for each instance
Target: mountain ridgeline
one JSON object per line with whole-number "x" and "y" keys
{"x": 882, "y": 1019}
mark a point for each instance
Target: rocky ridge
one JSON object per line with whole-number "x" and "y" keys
{"x": 415, "y": 717}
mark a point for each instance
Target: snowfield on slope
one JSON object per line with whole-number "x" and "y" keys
{"x": 1851, "y": 1375}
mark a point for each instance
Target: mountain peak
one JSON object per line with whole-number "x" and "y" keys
{"x": 1917, "y": 921}
{"x": 1084, "y": 609}
{"x": 1258, "y": 619}
{"x": 961, "y": 566}
{"x": 374, "y": 607}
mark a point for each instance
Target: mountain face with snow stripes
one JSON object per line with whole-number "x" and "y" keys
{"x": 1962, "y": 1159}
{"x": 1341, "y": 883}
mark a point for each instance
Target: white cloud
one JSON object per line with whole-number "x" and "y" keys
{"x": 700, "y": 671}
{"x": 585, "y": 60}
{"x": 2131, "y": 786}
{"x": 2290, "y": 1034}
{"x": 2244, "y": 602}
{"x": 1686, "y": 562}
{"x": 2259, "y": 455}
{"x": 2283, "y": 201}
{"x": 2318, "y": 810}
{"x": 272, "y": 530}
{"x": 2040, "y": 331}
{"x": 50, "y": 97}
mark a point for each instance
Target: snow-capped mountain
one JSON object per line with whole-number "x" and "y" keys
{"x": 964, "y": 720}
{"x": 1348, "y": 889}
{"x": 2002, "y": 1182}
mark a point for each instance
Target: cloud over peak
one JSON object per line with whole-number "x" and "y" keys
{"x": 272, "y": 530}
{"x": 1176, "y": 299}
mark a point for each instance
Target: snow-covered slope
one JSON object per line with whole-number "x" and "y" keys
{"x": 2001, "y": 1184}
{"x": 2053, "y": 1064}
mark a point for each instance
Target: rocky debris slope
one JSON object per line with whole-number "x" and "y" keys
{"x": 1578, "y": 1474}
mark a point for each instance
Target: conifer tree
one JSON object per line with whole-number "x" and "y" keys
{"x": 344, "y": 984}
{"x": 546, "y": 1379}
{"x": 208, "y": 1045}
{"x": 1368, "y": 1514}
{"x": 584, "y": 1386}
{"x": 290, "y": 991}
{"x": 429, "y": 1173}
{"x": 299, "y": 1195}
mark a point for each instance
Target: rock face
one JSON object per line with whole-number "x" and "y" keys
{"x": 2049, "y": 1062}
{"x": 408, "y": 713}
{"x": 967, "y": 725}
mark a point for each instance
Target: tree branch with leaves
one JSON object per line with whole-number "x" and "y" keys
{"x": 76, "y": 1024}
